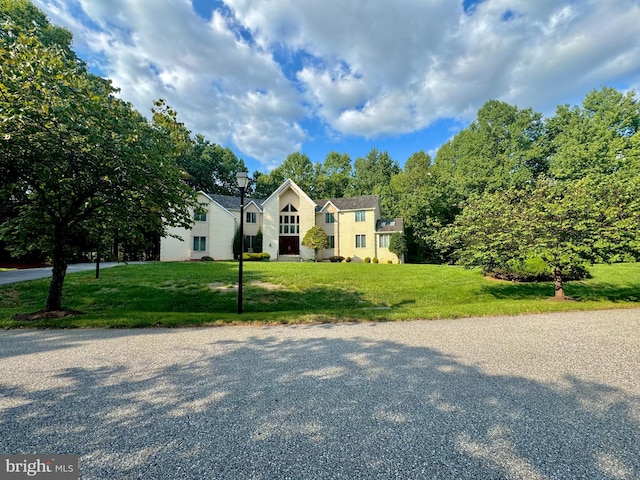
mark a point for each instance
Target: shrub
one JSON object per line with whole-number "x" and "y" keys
{"x": 336, "y": 259}
{"x": 389, "y": 262}
{"x": 534, "y": 269}
{"x": 367, "y": 259}
{"x": 256, "y": 257}
{"x": 375, "y": 260}
{"x": 348, "y": 259}
{"x": 206, "y": 258}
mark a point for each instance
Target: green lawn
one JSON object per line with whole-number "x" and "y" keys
{"x": 175, "y": 294}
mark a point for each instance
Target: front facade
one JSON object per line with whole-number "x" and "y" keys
{"x": 354, "y": 227}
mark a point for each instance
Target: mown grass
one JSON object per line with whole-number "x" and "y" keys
{"x": 181, "y": 294}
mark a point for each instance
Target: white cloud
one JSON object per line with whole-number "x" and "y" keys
{"x": 385, "y": 67}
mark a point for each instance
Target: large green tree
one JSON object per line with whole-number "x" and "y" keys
{"x": 78, "y": 160}
{"x": 566, "y": 224}
{"x": 334, "y": 176}
{"x": 372, "y": 173}
{"x": 600, "y": 137}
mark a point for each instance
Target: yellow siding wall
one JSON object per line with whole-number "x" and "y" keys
{"x": 349, "y": 228}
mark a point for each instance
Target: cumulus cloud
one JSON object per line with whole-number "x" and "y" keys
{"x": 252, "y": 72}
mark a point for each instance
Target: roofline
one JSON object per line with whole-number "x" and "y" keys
{"x": 221, "y": 207}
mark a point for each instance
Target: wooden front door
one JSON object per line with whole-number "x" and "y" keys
{"x": 289, "y": 245}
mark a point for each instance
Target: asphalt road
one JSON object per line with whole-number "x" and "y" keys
{"x": 24, "y": 274}
{"x": 532, "y": 397}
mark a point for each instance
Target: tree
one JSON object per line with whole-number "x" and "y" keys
{"x": 316, "y": 239}
{"x": 333, "y": 176}
{"x": 211, "y": 167}
{"x": 597, "y": 138}
{"x": 398, "y": 245}
{"x": 79, "y": 160}
{"x": 593, "y": 219}
{"x": 372, "y": 173}
{"x": 502, "y": 148}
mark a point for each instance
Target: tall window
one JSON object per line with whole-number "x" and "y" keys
{"x": 200, "y": 217}
{"x": 249, "y": 242}
{"x": 332, "y": 241}
{"x": 361, "y": 241}
{"x": 251, "y": 217}
{"x": 329, "y": 218}
{"x": 289, "y": 224}
{"x": 384, "y": 241}
{"x": 199, "y": 244}
{"x": 360, "y": 216}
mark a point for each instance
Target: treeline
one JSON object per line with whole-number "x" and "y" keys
{"x": 522, "y": 196}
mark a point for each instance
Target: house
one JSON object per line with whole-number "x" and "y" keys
{"x": 354, "y": 227}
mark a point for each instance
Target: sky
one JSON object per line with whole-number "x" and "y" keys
{"x": 267, "y": 78}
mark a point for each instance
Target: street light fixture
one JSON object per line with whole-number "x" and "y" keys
{"x": 243, "y": 182}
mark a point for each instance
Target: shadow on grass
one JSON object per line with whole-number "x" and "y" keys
{"x": 202, "y": 290}
{"x": 274, "y": 407}
{"x": 582, "y": 291}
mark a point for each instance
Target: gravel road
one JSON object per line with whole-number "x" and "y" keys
{"x": 531, "y": 397}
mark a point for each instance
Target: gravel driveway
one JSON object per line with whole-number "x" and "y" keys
{"x": 532, "y": 397}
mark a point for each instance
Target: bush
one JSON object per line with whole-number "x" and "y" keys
{"x": 206, "y": 258}
{"x": 367, "y": 259}
{"x": 534, "y": 269}
{"x": 375, "y": 260}
{"x": 390, "y": 262}
{"x": 348, "y": 259}
{"x": 256, "y": 257}
{"x": 336, "y": 259}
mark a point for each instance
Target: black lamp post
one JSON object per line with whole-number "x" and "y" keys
{"x": 243, "y": 181}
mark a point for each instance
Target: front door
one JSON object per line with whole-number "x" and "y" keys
{"x": 289, "y": 245}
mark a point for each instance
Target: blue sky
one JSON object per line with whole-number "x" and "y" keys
{"x": 268, "y": 78}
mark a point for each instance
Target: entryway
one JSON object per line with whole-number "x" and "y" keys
{"x": 289, "y": 245}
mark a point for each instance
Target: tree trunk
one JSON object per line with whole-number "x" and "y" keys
{"x": 54, "y": 300}
{"x": 557, "y": 282}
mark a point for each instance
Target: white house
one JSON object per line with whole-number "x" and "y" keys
{"x": 353, "y": 224}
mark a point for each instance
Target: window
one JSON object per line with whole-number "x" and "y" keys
{"x": 199, "y": 244}
{"x": 249, "y": 242}
{"x": 251, "y": 217}
{"x": 289, "y": 224}
{"x": 200, "y": 217}
{"x": 361, "y": 241}
{"x": 329, "y": 218}
{"x": 289, "y": 208}
{"x": 360, "y": 216}
{"x": 332, "y": 241}
{"x": 384, "y": 241}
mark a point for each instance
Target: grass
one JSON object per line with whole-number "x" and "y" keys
{"x": 181, "y": 294}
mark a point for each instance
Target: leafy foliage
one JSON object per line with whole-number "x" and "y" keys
{"x": 77, "y": 160}
{"x": 316, "y": 239}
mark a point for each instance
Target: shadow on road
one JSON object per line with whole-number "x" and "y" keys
{"x": 323, "y": 408}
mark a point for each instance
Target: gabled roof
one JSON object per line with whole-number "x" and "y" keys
{"x": 389, "y": 225}
{"x": 229, "y": 202}
{"x": 288, "y": 183}
{"x": 362, "y": 202}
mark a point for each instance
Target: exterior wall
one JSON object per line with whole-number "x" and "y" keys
{"x": 270, "y": 227}
{"x": 174, "y": 249}
{"x": 383, "y": 253}
{"x": 218, "y": 229}
{"x": 307, "y": 212}
{"x": 349, "y": 228}
{"x": 331, "y": 229}
{"x": 221, "y": 230}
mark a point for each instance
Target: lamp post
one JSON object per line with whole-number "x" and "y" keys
{"x": 243, "y": 181}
